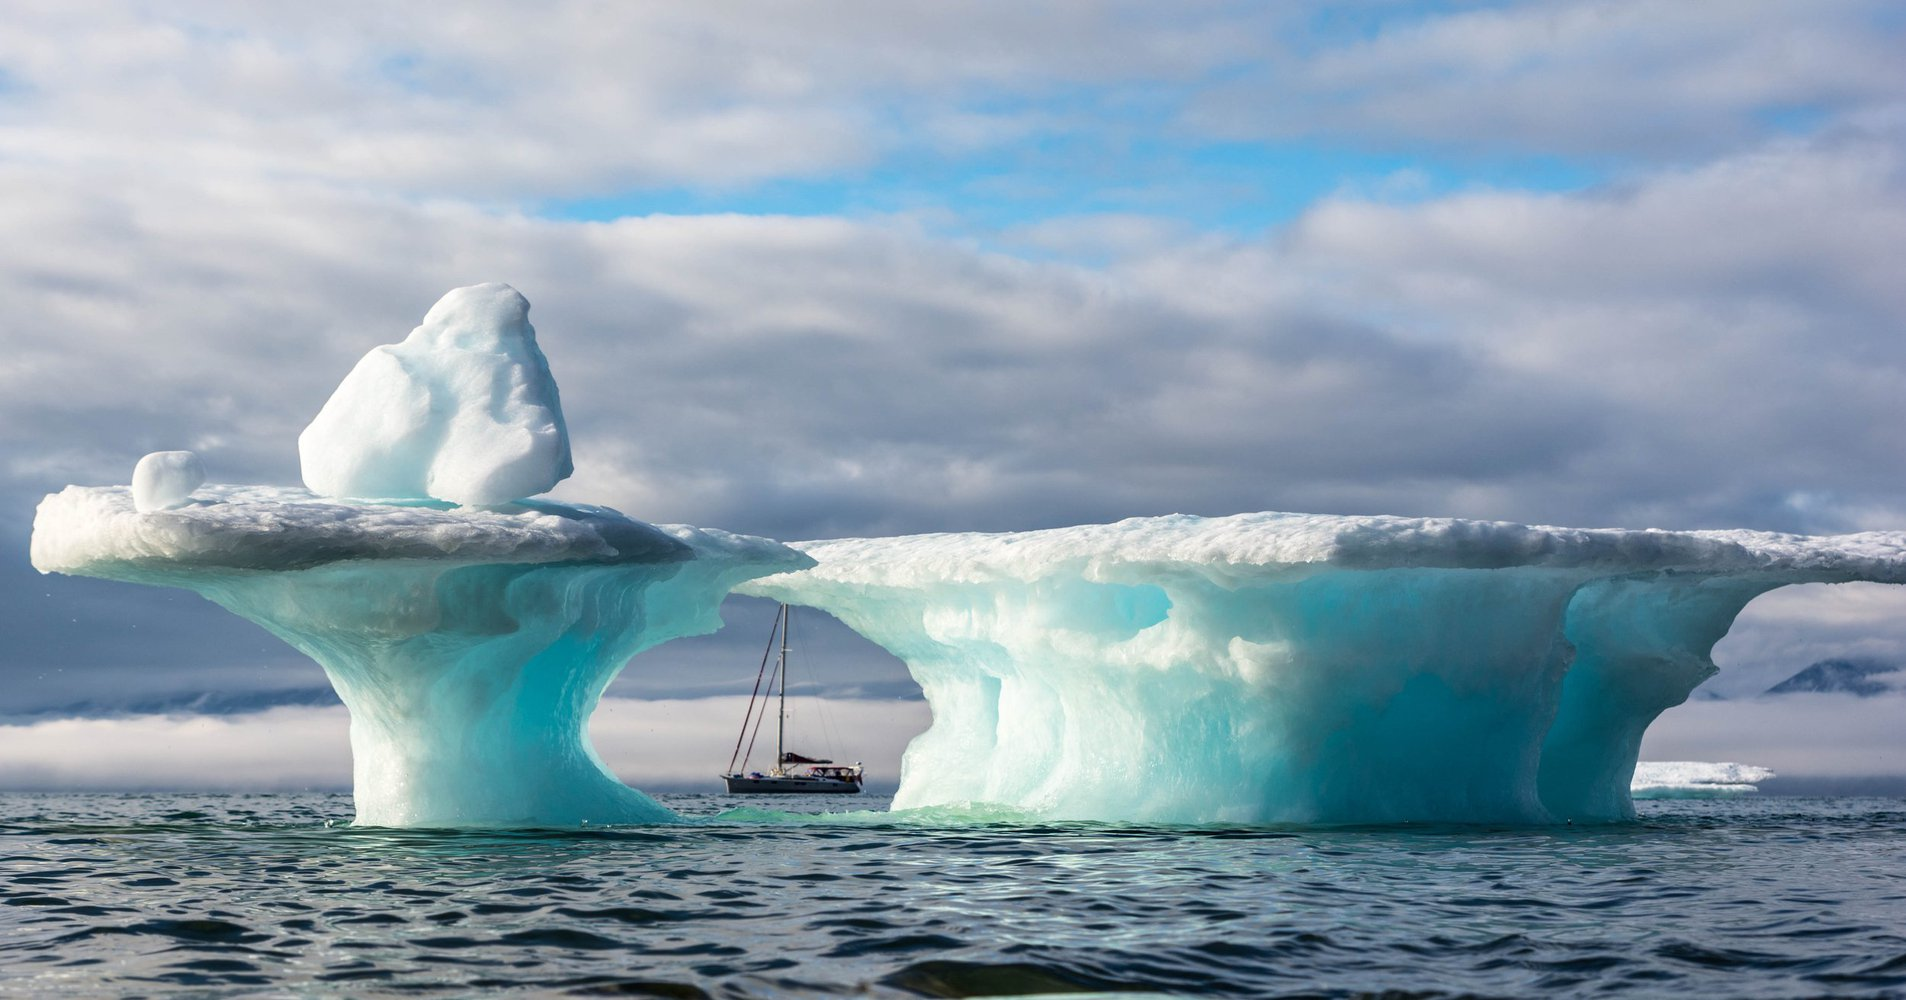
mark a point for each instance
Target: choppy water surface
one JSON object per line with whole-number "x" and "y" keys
{"x": 240, "y": 895}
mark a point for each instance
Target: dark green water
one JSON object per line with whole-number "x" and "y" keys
{"x": 215, "y": 896}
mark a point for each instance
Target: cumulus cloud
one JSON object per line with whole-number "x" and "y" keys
{"x": 501, "y": 100}
{"x": 1612, "y": 78}
{"x": 1735, "y": 316}
{"x": 1684, "y": 352}
{"x": 1688, "y": 351}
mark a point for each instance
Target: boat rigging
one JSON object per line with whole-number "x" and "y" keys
{"x": 792, "y": 772}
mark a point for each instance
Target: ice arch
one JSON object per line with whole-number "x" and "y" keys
{"x": 1287, "y": 667}
{"x": 470, "y": 645}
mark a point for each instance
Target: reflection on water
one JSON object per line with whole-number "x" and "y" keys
{"x": 233, "y": 895}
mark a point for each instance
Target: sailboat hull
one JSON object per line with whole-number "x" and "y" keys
{"x": 790, "y": 785}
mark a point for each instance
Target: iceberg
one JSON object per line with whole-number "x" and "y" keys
{"x": 1303, "y": 668}
{"x": 1693, "y": 779}
{"x": 1255, "y": 668}
{"x": 470, "y": 646}
{"x": 470, "y": 643}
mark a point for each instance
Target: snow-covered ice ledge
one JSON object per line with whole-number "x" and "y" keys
{"x": 1289, "y": 667}
{"x": 470, "y": 645}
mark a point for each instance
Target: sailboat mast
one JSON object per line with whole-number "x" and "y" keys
{"x": 781, "y": 725}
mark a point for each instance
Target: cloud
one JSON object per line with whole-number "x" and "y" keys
{"x": 1601, "y": 78}
{"x": 1736, "y": 317}
{"x": 282, "y": 749}
{"x": 493, "y": 99}
{"x": 657, "y": 745}
{"x": 1786, "y": 630}
{"x": 816, "y": 376}
{"x": 506, "y": 103}
{"x": 1710, "y": 347}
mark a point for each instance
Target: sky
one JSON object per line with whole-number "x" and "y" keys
{"x": 844, "y": 269}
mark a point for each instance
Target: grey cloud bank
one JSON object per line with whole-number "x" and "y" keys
{"x": 1491, "y": 355}
{"x": 411, "y": 98}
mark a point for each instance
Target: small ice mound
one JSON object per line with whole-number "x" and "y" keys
{"x": 463, "y": 410}
{"x": 1693, "y": 779}
{"x": 164, "y": 480}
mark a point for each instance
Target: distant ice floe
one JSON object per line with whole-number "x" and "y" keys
{"x": 1690, "y": 779}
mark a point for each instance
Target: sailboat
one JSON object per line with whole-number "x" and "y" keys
{"x": 792, "y": 772}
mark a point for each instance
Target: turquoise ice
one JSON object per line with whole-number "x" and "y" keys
{"x": 1303, "y": 668}
{"x": 469, "y": 646}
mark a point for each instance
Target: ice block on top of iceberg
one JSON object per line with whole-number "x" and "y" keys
{"x": 165, "y": 479}
{"x": 464, "y": 410}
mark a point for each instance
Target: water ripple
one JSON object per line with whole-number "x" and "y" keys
{"x": 235, "y": 895}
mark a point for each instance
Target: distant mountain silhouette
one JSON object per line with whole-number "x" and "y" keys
{"x": 1856, "y": 677}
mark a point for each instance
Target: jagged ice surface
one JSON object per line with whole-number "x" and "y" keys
{"x": 470, "y": 646}
{"x": 1288, "y": 667}
{"x": 464, "y": 410}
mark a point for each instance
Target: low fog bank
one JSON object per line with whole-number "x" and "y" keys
{"x": 667, "y": 745}
{"x": 1817, "y": 744}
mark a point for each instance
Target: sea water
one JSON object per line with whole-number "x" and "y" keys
{"x": 215, "y": 896}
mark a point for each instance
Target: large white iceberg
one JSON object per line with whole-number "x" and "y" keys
{"x": 464, "y": 410}
{"x": 1288, "y": 667}
{"x": 469, "y": 645}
